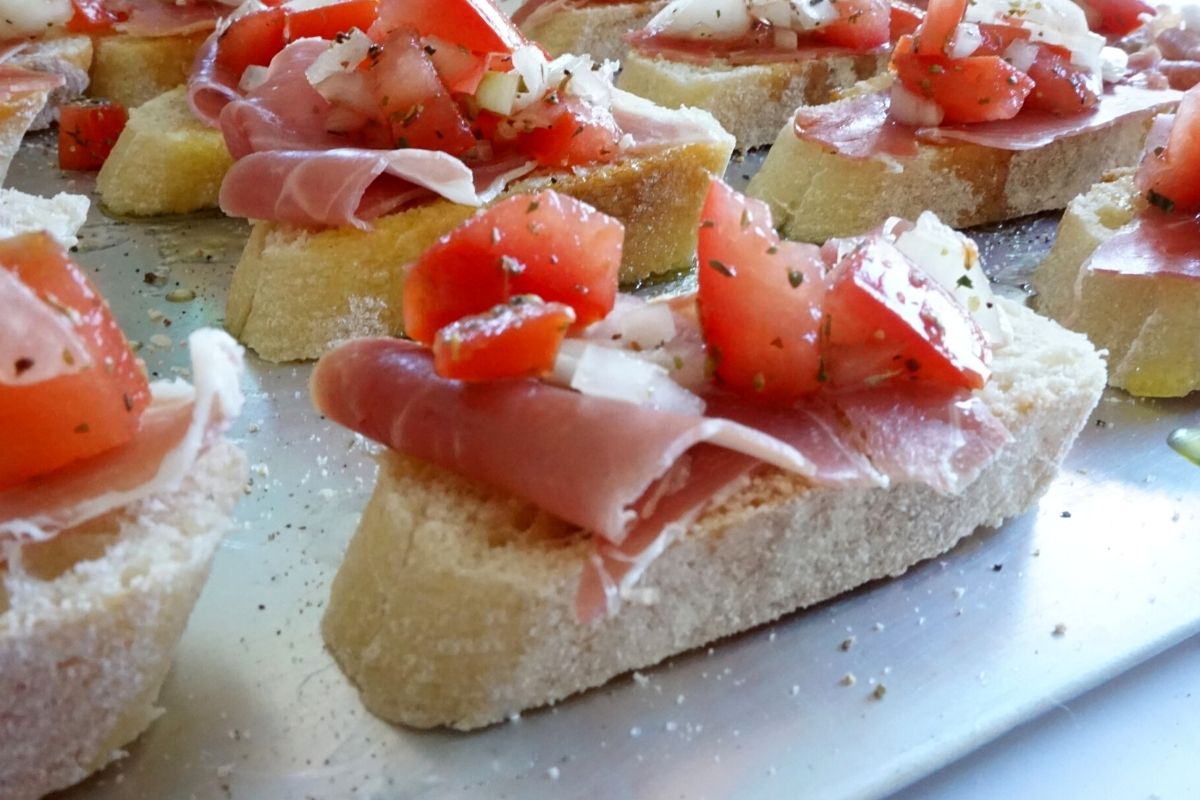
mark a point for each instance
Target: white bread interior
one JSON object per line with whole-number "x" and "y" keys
{"x": 815, "y": 194}
{"x": 749, "y": 101}
{"x": 296, "y": 292}
{"x": 1150, "y": 326}
{"x": 131, "y": 70}
{"x": 87, "y": 628}
{"x": 597, "y": 30}
{"x": 17, "y": 113}
{"x": 453, "y": 606}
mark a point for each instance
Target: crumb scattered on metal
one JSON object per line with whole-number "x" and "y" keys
{"x": 847, "y": 643}
{"x": 1060, "y": 630}
{"x": 848, "y": 679}
{"x": 879, "y": 692}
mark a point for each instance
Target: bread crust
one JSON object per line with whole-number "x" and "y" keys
{"x": 1150, "y": 326}
{"x": 454, "y": 605}
{"x": 88, "y": 626}
{"x": 964, "y": 184}
{"x": 597, "y": 30}
{"x": 132, "y": 70}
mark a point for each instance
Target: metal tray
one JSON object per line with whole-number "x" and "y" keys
{"x": 1099, "y": 576}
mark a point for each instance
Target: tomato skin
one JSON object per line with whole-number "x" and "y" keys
{"x": 252, "y": 40}
{"x": 759, "y": 300}
{"x": 861, "y": 25}
{"x": 941, "y": 18}
{"x": 1060, "y": 87}
{"x": 887, "y": 322}
{"x": 1170, "y": 176}
{"x": 905, "y": 18}
{"x": 577, "y": 133}
{"x": 478, "y": 25}
{"x": 87, "y": 131}
{"x": 92, "y": 17}
{"x": 973, "y": 89}
{"x": 1115, "y": 17}
{"x": 549, "y": 245}
{"x": 997, "y": 38}
{"x": 326, "y": 22}
{"x": 52, "y": 423}
{"x": 459, "y": 68}
{"x": 517, "y": 339}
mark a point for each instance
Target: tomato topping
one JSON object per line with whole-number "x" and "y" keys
{"x": 1060, "y": 87}
{"x": 997, "y": 38}
{"x": 1170, "y": 175}
{"x": 514, "y": 340}
{"x": 936, "y": 32}
{"x": 478, "y": 25}
{"x": 87, "y": 131}
{"x": 973, "y": 89}
{"x": 326, "y": 22}
{"x": 571, "y": 131}
{"x": 49, "y": 424}
{"x": 1115, "y": 17}
{"x": 905, "y": 19}
{"x": 252, "y": 40}
{"x": 861, "y": 25}
{"x": 548, "y": 245}
{"x": 759, "y": 299}
{"x": 459, "y": 68}
{"x": 886, "y": 321}
{"x": 92, "y": 17}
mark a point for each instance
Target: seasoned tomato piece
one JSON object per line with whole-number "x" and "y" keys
{"x": 941, "y": 18}
{"x": 1170, "y": 175}
{"x": 82, "y": 413}
{"x": 548, "y": 245}
{"x": 326, "y": 22}
{"x": 887, "y": 322}
{"x": 974, "y": 89}
{"x": 459, "y": 68}
{"x": 87, "y": 131}
{"x": 1115, "y": 17}
{"x": 861, "y": 25}
{"x": 478, "y": 25}
{"x": 252, "y": 40}
{"x": 92, "y": 17}
{"x": 570, "y": 131}
{"x": 515, "y": 340}
{"x": 905, "y": 18}
{"x": 1060, "y": 87}
{"x": 760, "y": 299}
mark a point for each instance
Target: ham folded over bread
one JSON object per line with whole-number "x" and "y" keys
{"x": 861, "y": 128}
{"x": 635, "y": 476}
{"x": 1154, "y": 245}
{"x": 16, "y": 80}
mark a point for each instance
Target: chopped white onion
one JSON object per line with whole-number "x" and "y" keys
{"x": 786, "y": 39}
{"x": 1057, "y": 22}
{"x": 498, "y": 91}
{"x": 702, "y": 19}
{"x": 911, "y": 109}
{"x": 966, "y": 40}
{"x": 619, "y": 375}
{"x": 1114, "y": 62}
{"x": 254, "y": 77}
{"x": 342, "y": 55}
{"x": 634, "y": 323}
{"x": 1021, "y": 54}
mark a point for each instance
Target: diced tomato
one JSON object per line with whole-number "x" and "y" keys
{"x": 326, "y": 22}
{"x": 905, "y": 18}
{"x": 460, "y": 69}
{"x": 577, "y": 133}
{"x": 861, "y": 25}
{"x": 886, "y": 322}
{"x": 52, "y": 423}
{"x": 548, "y": 245}
{"x": 412, "y": 99}
{"x": 936, "y": 32}
{"x": 478, "y": 25}
{"x": 92, "y": 17}
{"x": 1115, "y": 17}
{"x": 87, "y": 131}
{"x": 515, "y": 340}
{"x": 1060, "y": 87}
{"x": 252, "y": 40}
{"x": 997, "y": 38}
{"x": 973, "y": 89}
{"x": 1171, "y": 175}
{"x": 760, "y": 299}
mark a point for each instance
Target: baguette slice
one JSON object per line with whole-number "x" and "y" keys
{"x": 597, "y": 30}
{"x": 749, "y": 101}
{"x": 454, "y": 605}
{"x": 17, "y": 113}
{"x": 131, "y": 70}
{"x": 88, "y": 625}
{"x": 1150, "y": 326}
{"x": 815, "y": 195}
{"x": 296, "y": 292}
{"x": 165, "y": 161}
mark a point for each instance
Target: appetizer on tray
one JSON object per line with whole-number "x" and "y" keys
{"x": 595, "y": 27}
{"x": 579, "y": 483}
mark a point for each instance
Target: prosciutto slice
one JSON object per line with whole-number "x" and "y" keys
{"x": 180, "y": 423}
{"x": 861, "y": 128}
{"x": 16, "y": 80}
{"x": 1156, "y": 244}
{"x": 167, "y": 18}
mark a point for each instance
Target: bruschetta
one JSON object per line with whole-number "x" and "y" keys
{"x": 582, "y": 483}
{"x": 595, "y": 27}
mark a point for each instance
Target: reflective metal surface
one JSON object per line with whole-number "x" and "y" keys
{"x": 1100, "y": 575}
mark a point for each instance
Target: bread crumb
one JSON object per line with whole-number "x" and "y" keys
{"x": 848, "y": 679}
{"x": 679, "y": 700}
{"x": 959, "y": 591}
{"x": 1060, "y": 630}
{"x": 879, "y": 692}
{"x": 161, "y": 340}
{"x": 635, "y": 731}
{"x": 553, "y": 773}
{"x": 225, "y": 770}
{"x": 878, "y": 627}
{"x": 847, "y": 643}
{"x": 795, "y": 690}
{"x": 671, "y": 726}
{"x": 641, "y": 680}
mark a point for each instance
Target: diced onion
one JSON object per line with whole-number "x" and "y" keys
{"x": 634, "y": 323}
{"x": 702, "y": 19}
{"x": 1021, "y": 54}
{"x": 966, "y": 40}
{"x": 254, "y": 77}
{"x": 343, "y": 55}
{"x": 498, "y": 91}
{"x": 786, "y": 39}
{"x": 1113, "y": 63}
{"x": 619, "y": 375}
{"x": 911, "y": 109}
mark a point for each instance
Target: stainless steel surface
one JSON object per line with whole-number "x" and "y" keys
{"x": 1099, "y": 576}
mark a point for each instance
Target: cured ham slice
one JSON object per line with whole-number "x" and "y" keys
{"x": 180, "y": 423}
{"x": 166, "y": 18}
{"x": 588, "y": 460}
{"x": 1154, "y": 245}
{"x": 861, "y": 128}
{"x": 16, "y": 80}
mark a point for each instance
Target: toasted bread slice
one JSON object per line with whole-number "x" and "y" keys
{"x": 131, "y": 70}
{"x": 1149, "y": 325}
{"x": 295, "y": 292}
{"x": 90, "y": 620}
{"x": 68, "y": 56}
{"x": 17, "y": 113}
{"x": 749, "y": 101}
{"x": 815, "y": 194}
{"x": 455, "y": 603}
{"x": 597, "y": 30}
{"x": 165, "y": 161}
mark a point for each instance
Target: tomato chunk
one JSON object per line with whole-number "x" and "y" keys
{"x": 548, "y": 245}
{"x": 515, "y": 340}
{"x": 1115, "y": 17}
{"x": 87, "y": 131}
{"x": 252, "y": 40}
{"x": 49, "y": 424}
{"x": 459, "y": 68}
{"x": 941, "y": 18}
{"x": 326, "y": 22}
{"x": 760, "y": 299}
{"x": 1060, "y": 87}
{"x": 478, "y": 25}
{"x": 905, "y": 18}
{"x": 571, "y": 132}
{"x": 861, "y": 25}
{"x": 1170, "y": 175}
{"x": 973, "y": 89}
{"x": 92, "y": 17}
{"x": 887, "y": 322}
